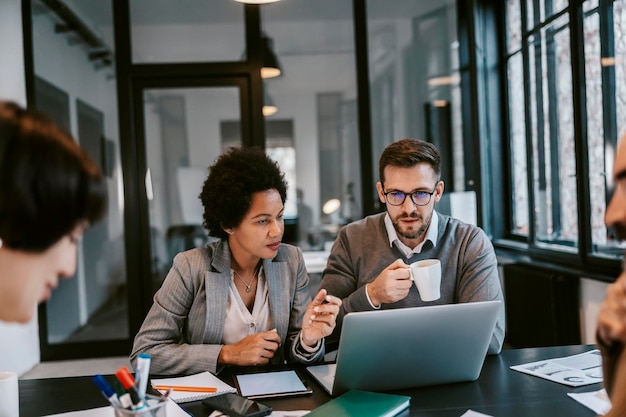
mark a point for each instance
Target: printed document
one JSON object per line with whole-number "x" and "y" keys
{"x": 575, "y": 371}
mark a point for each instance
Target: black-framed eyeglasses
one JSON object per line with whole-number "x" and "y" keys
{"x": 419, "y": 198}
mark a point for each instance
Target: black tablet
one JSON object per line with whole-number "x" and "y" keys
{"x": 271, "y": 384}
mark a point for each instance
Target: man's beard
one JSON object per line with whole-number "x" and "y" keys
{"x": 417, "y": 233}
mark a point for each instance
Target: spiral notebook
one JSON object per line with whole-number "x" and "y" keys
{"x": 203, "y": 380}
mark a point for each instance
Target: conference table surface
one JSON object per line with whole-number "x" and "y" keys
{"x": 498, "y": 392}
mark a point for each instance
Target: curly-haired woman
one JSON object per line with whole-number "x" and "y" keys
{"x": 244, "y": 298}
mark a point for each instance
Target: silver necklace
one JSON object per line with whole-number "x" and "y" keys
{"x": 247, "y": 284}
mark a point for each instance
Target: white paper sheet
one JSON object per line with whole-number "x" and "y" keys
{"x": 598, "y": 401}
{"x": 172, "y": 410}
{"x": 470, "y": 413}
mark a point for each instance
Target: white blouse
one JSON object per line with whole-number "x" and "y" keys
{"x": 240, "y": 322}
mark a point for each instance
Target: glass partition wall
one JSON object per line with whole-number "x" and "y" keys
{"x": 92, "y": 307}
{"x": 190, "y": 78}
{"x": 183, "y": 136}
{"x": 413, "y": 56}
{"x": 316, "y": 98}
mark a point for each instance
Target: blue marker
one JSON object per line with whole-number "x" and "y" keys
{"x": 142, "y": 374}
{"x": 106, "y": 389}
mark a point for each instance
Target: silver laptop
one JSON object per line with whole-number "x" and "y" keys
{"x": 408, "y": 347}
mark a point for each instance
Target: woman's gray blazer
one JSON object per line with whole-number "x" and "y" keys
{"x": 183, "y": 330}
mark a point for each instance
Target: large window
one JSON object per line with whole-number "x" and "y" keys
{"x": 561, "y": 135}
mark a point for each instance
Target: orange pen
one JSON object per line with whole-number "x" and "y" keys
{"x": 185, "y": 388}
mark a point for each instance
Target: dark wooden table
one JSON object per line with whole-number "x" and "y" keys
{"x": 499, "y": 392}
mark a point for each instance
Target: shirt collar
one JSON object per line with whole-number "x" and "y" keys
{"x": 432, "y": 234}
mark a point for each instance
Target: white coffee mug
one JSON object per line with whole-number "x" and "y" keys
{"x": 426, "y": 275}
{"x": 9, "y": 395}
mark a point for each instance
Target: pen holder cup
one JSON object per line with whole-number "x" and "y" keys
{"x": 154, "y": 408}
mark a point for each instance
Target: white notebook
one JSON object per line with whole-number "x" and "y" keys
{"x": 203, "y": 379}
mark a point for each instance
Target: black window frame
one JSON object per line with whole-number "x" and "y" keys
{"x": 582, "y": 257}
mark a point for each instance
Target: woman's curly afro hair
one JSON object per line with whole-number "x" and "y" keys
{"x": 234, "y": 177}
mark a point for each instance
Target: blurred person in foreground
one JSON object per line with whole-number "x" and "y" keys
{"x": 243, "y": 299}
{"x": 611, "y": 329}
{"x": 50, "y": 192}
{"x": 368, "y": 266}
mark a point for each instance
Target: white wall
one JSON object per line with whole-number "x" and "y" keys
{"x": 12, "y": 80}
{"x": 302, "y": 109}
{"x": 592, "y": 294}
{"x": 19, "y": 349}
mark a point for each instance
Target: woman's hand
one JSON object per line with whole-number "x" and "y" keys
{"x": 256, "y": 349}
{"x": 320, "y": 318}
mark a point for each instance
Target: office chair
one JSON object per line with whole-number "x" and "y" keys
{"x": 182, "y": 237}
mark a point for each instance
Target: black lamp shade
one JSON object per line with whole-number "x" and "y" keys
{"x": 271, "y": 67}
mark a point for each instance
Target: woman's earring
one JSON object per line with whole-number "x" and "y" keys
{"x": 230, "y": 231}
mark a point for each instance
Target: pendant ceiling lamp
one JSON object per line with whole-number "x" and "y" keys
{"x": 271, "y": 67}
{"x": 256, "y": 1}
{"x": 269, "y": 108}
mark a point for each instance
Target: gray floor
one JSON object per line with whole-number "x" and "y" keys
{"x": 78, "y": 367}
{"x": 109, "y": 322}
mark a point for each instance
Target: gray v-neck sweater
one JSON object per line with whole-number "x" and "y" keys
{"x": 469, "y": 268}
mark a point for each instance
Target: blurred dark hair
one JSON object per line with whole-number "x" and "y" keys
{"x": 48, "y": 184}
{"x": 407, "y": 153}
{"x": 233, "y": 178}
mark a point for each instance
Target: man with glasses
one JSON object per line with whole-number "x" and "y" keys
{"x": 368, "y": 266}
